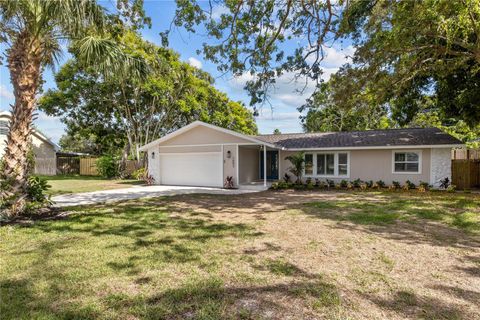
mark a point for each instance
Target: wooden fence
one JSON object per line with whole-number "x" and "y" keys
{"x": 466, "y": 173}
{"x": 464, "y": 154}
{"x": 88, "y": 167}
{"x": 68, "y": 165}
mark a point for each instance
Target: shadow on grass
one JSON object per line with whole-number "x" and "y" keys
{"x": 409, "y": 305}
{"x": 408, "y": 220}
{"x": 21, "y": 299}
{"x": 212, "y": 299}
{"x": 148, "y": 229}
{"x": 138, "y": 237}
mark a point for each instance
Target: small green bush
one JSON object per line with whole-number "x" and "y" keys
{"x": 451, "y": 188}
{"x": 310, "y": 185}
{"x": 408, "y": 185}
{"x": 396, "y": 184}
{"x": 424, "y": 186}
{"x": 356, "y": 183}
{"x": 107, "y": 166}
{"x": 140, "y": 174}
{"x": 343, "y": 183}
{"x": 380, "y": 184}
{"x": 299, "y": 186}
{"x": 330, "y": 183}
{"x": 36, "y": 194}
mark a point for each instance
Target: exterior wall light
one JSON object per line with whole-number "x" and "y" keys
{"x": 153, "y": 155}
{"x": 229, "y": 154}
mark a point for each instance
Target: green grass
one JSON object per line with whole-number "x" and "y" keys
{"x": 134, "y": 259}
{"x": 75, "y": 184}
{"x": 458, "y": 210}
{"x": 169, "y": 258}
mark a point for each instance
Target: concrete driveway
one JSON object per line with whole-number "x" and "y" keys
{"x": 76, "y": 199}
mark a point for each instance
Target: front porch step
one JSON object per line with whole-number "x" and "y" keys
{"x": 254, "y": 186}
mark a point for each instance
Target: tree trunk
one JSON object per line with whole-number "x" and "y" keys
{"x": 24, "y": 63}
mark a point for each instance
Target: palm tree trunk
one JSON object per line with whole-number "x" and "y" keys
{"x": 24, "y": 63}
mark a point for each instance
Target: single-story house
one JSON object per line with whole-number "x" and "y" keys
{"x": 43, "y": 148}
{"x": 202, "y": 154}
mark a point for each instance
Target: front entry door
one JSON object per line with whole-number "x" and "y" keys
{"x": 272, "y": 165}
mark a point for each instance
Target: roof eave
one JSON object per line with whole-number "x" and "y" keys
{"x": 211, "y": 126}
{"x": 430, "y": 146}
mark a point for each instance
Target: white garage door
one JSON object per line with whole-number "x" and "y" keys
{"x": 192, "y": 169}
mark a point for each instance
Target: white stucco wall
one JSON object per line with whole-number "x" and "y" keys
{"x": 440, "y": 166}
{"x": 154, "y": 164}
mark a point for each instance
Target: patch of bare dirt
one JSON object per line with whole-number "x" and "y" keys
{"x": 419, "y": 269}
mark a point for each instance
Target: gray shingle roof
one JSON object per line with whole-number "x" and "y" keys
{"x": 368, "y": 138}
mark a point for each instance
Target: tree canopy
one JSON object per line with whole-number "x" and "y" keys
{"x": 409, "y": 55}
{"x": 112, "y": 113}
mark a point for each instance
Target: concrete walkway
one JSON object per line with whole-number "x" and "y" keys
{"x": 76, "y": 199}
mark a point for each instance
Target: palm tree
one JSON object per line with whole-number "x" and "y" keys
{"x": 298, "y": 164}
{"x": 34, "y": 30}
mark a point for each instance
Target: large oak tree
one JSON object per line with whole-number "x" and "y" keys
{"x": 404, "y": 49}
{"x": 130, "y": 113}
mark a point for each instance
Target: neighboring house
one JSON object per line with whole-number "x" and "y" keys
{"x": 201, "y": 154}
{"x": 44, "y": 149}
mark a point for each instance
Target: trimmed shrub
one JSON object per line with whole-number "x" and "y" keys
{"x": 107, "y": 166}
{"x": 330, "y": 183}
{"x": 356, "y": 183}
{"x": 140, "y": 174}
{"x": 408, "y": 185}
{"x": 380, "y": 184}
{"x": 423, "y": 186}
{"x": 451, "y": 188}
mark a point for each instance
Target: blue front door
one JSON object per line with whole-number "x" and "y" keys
{"x": 272, "y": 165}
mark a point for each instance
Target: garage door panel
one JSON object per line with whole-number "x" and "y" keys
{"x": 193, "y": 169}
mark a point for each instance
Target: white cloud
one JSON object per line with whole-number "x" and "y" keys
{"x": 271, "y": 115}
{"x": 195, "y": 63}
{"x": 218, "y": 10}
{"x": 5, "y": 93}
{"x": 334, "y": 56}
{"x": 290, "y": 93}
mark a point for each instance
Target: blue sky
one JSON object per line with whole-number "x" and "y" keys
{"x": 284, "y": 99}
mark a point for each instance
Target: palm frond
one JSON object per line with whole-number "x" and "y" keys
{"x": 109, "y": 58}
{"x": 76, "y": 17}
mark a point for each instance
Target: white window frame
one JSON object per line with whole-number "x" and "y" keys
{"x": 2, "y": 127}
{"x": 335, "y": 162}
{"x": 418, "y": 152}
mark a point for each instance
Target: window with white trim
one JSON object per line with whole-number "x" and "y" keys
{"x": 327, "y": 164}
{"x": 3, "y": 127}
{"x": 406, "y": 162}
{"x": 308, "y": 164}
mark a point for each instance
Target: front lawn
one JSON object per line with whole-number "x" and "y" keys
{"x": 328, "y": 255}
{"x": 75, "y": 184}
